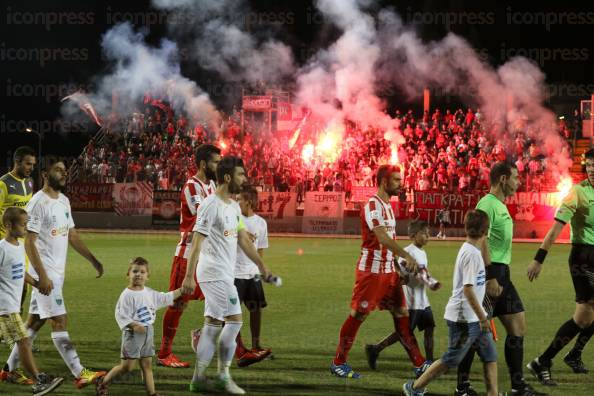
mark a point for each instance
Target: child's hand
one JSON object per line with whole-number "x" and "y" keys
{"x": 436, "y": 286}
{"x": 138, "y": 328}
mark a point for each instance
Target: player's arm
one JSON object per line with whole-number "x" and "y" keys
{"x": 30, "y": 280}
{"x": 390, "y": 244}
{"x": 45, "y": 285}
{"x": 245, "y": 243}
{"x": 261, "y": 253}
{"x": 536, "y": 266}
{"x": 189, "y": 284}
{"x": 476, "y": 306}
{"x": 563, "y": 216}
{"x": 82, "y": 249}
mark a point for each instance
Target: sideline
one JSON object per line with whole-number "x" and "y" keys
{"x": 293, "y": 235}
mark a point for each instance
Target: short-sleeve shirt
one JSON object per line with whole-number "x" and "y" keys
{"x": 220, "y": 222}
{"x": 51, "y": 219}
{"x": 469, "y": 270}
{"x": 140, "y": 306}
{"x": 501, "y": 228}
{"x": 193, "y": 194}
{"x": 414, "y": 290}
{"x": 374, "y": 257}
{"x": 246, "y": 268}
{"x": 12, "y": 276}
{"x": 577, "y": 209}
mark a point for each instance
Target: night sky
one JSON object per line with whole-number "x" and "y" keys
{"x": 556, "y": 35}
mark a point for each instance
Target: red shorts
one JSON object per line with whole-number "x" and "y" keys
{"x": 178, "y": 273}
{"x": 381, "y": 291}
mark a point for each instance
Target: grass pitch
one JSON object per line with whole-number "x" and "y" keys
{"x": 301, "y": 322}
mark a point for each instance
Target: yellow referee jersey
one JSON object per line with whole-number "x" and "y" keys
{"x": 13, "y": 192}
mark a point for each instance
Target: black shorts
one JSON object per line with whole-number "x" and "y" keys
{"x": 581, "y": 266}
{"x": 509, "y": 301}
{"x": 421, "y": 319}
{"x": 251, "y": 293}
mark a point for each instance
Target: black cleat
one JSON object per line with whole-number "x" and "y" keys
{"x": 465, "y": 390}
{"x": 576, "y": 364}
{"x": 541, "y": 372}
{"x": 372, "y": 354}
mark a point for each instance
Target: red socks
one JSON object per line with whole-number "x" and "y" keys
{"x": 170, "y": 324}
{"x": 348, "y": 332}
{"x": 408, "y": 340}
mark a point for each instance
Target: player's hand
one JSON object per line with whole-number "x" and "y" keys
{"x": 265, "y": 272}
{"x": 138, "y": 328}
{"x": 534, "y": 270}
{"x": 188, "y": 285}
{"x": 99, "y": 268}
{"x": 411, "y": 264}
{"x": 493, "y": 288}
{"x": 45, "y": 285}
{"x": 485, "y": 325}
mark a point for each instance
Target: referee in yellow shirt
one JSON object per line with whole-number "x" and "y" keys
{"x": 16, "y": 187}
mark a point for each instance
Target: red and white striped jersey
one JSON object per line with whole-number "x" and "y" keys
{"x": 374, "y": 257}
{"x": 192, "y": 195}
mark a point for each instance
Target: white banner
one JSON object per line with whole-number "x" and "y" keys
{"x": 323, "y": 213}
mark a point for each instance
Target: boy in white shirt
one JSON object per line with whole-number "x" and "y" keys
{"x": 12, "y": 280}
{"x": 135, "y": 313}
{"x": 468, "y": 324}
{"x": 419, "y": 309}
{"x": 247, "y": 276}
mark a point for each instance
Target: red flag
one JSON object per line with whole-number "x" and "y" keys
{"x": 85, "y": 105}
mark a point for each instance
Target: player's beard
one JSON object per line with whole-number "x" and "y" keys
{"x": 55, "y": 184}
{"x": 210, "y": 174}
{"x": 393, "y": 192}
{"x": 234, "y": 188}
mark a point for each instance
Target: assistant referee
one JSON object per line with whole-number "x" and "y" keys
{"x": 577, "y": 209}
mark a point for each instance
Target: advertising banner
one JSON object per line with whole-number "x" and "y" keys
{"x": 133, "y": 199}
{"x": 87, "y": 197}
{"x": 323, "y": 213}
{"x": 166, "y": 208}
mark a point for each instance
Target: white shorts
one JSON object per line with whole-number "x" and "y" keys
{"x": 220, "y": 299}
{"x": 48, "y": 306}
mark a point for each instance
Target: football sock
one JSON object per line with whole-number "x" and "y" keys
{"x": 170, "y": 325}
{"x": 348, "y": 332}
{"x": 564, "y": 335}
{"x": 205, "y": 349}
{"x": 514, "y": 357}
{"x": 13, "y": 358}
{"x": 583, "y": 338}
{"x": 67, "y": 351}
{"x": 227, "y": 346}
{"x": 408, "y": 340}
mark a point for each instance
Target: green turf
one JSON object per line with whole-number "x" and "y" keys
{"x": 302, "y": 320}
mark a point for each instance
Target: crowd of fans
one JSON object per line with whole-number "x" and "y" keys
{"x": 441, "y": 151}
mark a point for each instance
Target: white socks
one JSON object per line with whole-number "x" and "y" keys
{"x": 227, "y": 346}
{"x": 205, "y": 349}
{"x": 67, "y": 351}
{"x": 13, "y": 359}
